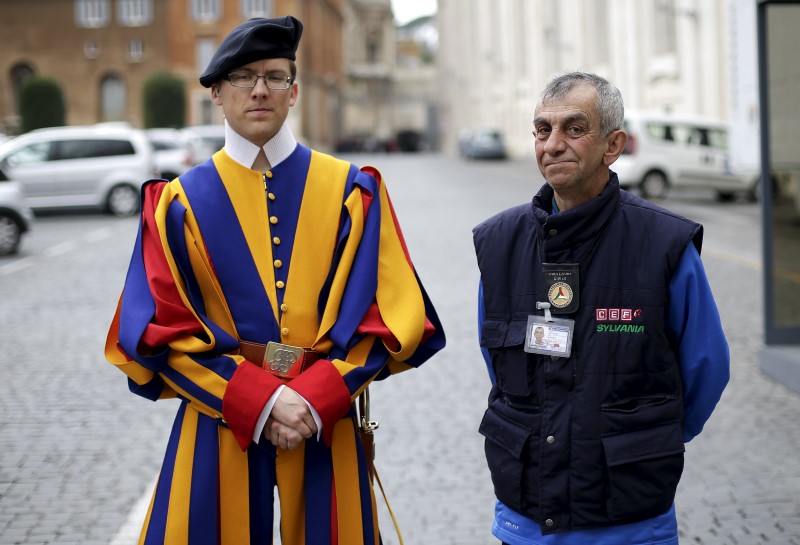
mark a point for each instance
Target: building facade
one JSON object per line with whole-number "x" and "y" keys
{"x": 101, "y": 52}
{"x": 495, "y": 57}
{"x": 390, "y": 100}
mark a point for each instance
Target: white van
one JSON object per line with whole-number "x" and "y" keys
{"x": 667, "y": 151}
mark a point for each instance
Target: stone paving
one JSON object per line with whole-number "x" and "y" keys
{"x": 78, "y": 453}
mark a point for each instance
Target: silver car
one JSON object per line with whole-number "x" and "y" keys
{"x": 100, "y": 166}
{"x": 482, "y": 144}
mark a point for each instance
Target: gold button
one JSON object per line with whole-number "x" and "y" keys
{"x": 276, "y": 240}
{"x": 284, "y": 307}
{"x": 285, "y": 331}
{"x": 278, "y": 263}
{"x": 273, "y": 220}
{"x": 279, "y": 284}
{"x": 269, "y": 174}
{"x": 271, "y": 196}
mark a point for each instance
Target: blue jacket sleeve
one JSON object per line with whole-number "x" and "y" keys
{"x": 702, "y": 348}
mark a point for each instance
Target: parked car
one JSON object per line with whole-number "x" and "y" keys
{"x": 101, "y": 166}
{"x": 482, "y": 144}
{"x": 666, "y": 151}
{"x": 210, "y": 138}
{"x": 174, "y": 151}
{"x": 15, "y": 217}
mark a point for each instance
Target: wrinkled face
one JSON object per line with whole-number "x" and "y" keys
{"x": 570, "y": 151}
{"x": 258, "y": 113}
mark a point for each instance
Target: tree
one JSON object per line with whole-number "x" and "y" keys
{"x": 41, "y": 104}
{"x": 164, "y": 101}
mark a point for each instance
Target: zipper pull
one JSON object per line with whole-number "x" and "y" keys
{"x": 265, "y": 181}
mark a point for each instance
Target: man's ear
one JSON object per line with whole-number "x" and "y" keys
{"x": 615, "y": 145}
{"x": 295, "y": 92}
{"x": 215, "y": 94}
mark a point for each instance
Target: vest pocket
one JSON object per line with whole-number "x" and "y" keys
{"x": 505, "y": 446}
{"x": 510, "y": 362}
{"x": 644, "y": 467}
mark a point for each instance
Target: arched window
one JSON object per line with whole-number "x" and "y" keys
{"x": 112, "y": 99}
{"x": 19, "y": 73}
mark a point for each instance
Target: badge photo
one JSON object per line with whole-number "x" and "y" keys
{"x": 549, "y": 337}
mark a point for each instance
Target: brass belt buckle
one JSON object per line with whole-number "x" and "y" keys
{"x": 280, "y": 357}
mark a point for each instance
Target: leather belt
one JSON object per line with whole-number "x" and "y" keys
{"x": 282, "y": 360}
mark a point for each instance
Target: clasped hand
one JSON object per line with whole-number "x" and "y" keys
{"x": 290, "y": 422}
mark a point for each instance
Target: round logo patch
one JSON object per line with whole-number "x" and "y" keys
{"x": 560, "y": 294}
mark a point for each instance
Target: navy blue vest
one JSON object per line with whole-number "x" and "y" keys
{"x": 594, "y": 439}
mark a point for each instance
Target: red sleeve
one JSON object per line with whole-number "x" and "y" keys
{"x": 247, "y": 393}
{"x": 323, "y": 387}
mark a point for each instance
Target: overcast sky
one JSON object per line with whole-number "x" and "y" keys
{"x": 408, "y": 10}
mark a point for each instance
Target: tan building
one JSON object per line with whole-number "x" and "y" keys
{"x": 102, "y": 52}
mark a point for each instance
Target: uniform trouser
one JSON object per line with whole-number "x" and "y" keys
{"x": 211, "y": 492}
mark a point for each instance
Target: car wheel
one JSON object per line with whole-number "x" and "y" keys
{"x": 10, "y": 235}
{"x": 725, "y": 196}
{"x": 654, "y": 185}
{"x": 123, "y": 201}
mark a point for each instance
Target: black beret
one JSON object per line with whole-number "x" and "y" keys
{"x": 251, "y": 41}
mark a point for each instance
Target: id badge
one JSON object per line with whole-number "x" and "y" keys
{"x": 551, "y": 337}
{"x": 562, "y": 286}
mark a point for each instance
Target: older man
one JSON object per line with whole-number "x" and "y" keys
{"x": 267, "y": 288}
{"x": 585, "y": 436}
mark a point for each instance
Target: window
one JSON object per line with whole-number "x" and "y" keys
{"x": 205, "y": 11}
{"x": 206, "y": 112}
{"x": 91, "y": 13}
{"x": 205, "y": 50}
{"x": 87, "y": 149}
{"x": 91, "y": 49}
{"x": 718, "y": 138}
{"x": 134, "y": 12}
{"x": 664, "y": 35}
{"x": 135, "y": 50}
{"x": 19, "y": 74}
{"x": 598, "y": 40}
{"x": 29, "y": 155}
{"x": 373, "y": 45}
{"x": 256, "y": 8}
{"x": 112, "y": 97}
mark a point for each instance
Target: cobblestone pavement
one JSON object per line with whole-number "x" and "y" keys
{"x": 78, "y": 453}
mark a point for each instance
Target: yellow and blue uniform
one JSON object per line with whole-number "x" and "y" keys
{"x": 308, "y": 254}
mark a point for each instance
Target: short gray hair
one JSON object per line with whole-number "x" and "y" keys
{"x": 610, "y": 107}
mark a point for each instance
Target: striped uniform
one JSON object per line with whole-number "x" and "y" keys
{"x": 319, "y": 263}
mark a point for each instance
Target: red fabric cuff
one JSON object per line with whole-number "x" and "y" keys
{"x": 323, "y": 387}
{"x": 247, "y": 393}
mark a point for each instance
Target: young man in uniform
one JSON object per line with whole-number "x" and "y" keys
{"x": 268, "y": 287}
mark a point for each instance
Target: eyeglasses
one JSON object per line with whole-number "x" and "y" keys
{"x": 277, "y": 81}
